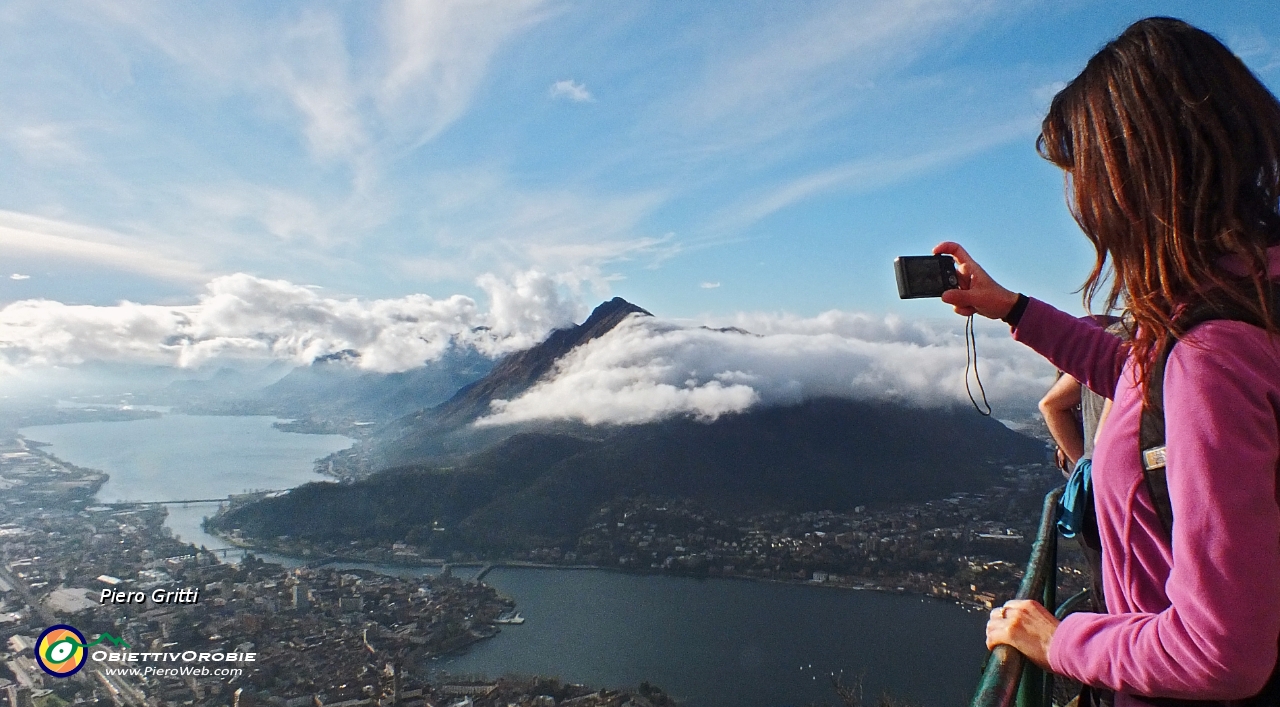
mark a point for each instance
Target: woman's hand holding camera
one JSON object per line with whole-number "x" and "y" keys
{"x": 978, "y": 293}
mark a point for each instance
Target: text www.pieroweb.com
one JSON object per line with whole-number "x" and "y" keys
{"x": 174, "y": 672}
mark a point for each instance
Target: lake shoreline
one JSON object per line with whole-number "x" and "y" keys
{"x": 436, "y": 563}
{"x": 523, "y": 564}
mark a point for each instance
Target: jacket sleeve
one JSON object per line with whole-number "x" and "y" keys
{"x": 1082, "y": 349}
{"x": 1218, "y": 638}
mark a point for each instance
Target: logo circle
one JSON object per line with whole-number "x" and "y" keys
{"x": 60, "y": 651}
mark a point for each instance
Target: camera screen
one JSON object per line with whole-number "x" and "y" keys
{"x": 925, "y": 274}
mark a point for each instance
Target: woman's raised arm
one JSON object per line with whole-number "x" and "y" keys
{"x": 1079, "y": 347}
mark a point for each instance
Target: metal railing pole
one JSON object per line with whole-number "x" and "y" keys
{"x": 1050, "y": 598}
{"x": 1009, "y": 678}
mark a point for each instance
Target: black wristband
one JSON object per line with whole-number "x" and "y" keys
{"x": 1015, "y": 314}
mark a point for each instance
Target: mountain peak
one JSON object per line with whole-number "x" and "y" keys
{"x": 343, "y": 356}
{"x": 605, "y": 317}
{"x": 519, "y": 371}
{"x": 613, "y": 307}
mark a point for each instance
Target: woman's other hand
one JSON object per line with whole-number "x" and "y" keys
{"x": 1025, "y": 625}
{"x": 978, "y": 293}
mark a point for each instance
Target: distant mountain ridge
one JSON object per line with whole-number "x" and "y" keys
{"x": 335, "y": 390}
{"x": 334, "y": 383}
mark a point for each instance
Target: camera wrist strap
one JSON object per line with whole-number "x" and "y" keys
{"x": 971, "y": 351}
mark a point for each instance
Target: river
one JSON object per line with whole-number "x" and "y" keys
{"x": 710, "y": 643}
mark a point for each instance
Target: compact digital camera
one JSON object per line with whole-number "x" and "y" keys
{"x": 925, "y": 275}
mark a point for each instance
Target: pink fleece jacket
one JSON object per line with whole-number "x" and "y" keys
{"x": 1198, "y": 619}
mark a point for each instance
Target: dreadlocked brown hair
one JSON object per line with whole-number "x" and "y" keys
{"x": 1172, "y": 152}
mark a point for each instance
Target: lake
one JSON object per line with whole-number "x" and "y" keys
{"x": 710, "y": 643}
{"x": 730, "y": 643}
{"x": 189, "y": 456}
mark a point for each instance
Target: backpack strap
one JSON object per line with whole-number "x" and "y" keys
{"x": 1151, "y": 443}
{"x": 1151, "y": 431}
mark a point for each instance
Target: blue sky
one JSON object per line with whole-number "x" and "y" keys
{"x": 699, "y": 159}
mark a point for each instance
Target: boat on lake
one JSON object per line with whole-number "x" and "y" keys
{"x": 510, "y": 617}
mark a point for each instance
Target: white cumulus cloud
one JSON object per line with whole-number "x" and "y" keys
{"x": 240, "y": 316}
{"x": 647, "y": 369}
{"x": 571, "y": 90}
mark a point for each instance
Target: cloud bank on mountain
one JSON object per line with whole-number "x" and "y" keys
{"x": 244, "y": 317}
{"x": 646, "y": 369}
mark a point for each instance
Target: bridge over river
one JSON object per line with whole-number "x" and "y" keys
{"x": 190, "y": 501}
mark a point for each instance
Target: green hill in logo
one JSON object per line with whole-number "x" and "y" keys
{"x": 53, "y": 653}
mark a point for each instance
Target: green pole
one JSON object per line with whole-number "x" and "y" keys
{"x": 1009, "y": 679}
